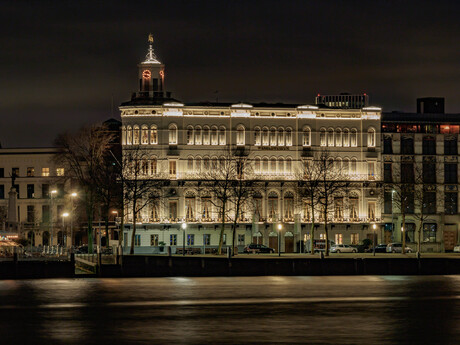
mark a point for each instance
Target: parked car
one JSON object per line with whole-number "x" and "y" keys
{"x": 397, "y": 248}
{"x": 258, "y": 248}
{"x": 381, "y": 248}
{"x": 318, "y": 245}
{"x": 343, "y": 248}
{"x": 457, "y": 248}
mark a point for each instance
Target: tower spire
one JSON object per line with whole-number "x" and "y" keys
{"x": 151, "y": 57}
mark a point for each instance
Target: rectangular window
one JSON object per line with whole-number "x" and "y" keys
{"x": 429, "y": 202}
{"x": 429, "y": 146}
{"x": 45, "y": 213}
{"x": 387, "y": 145}
{"x": 371, "y": 170}
{"x": 30, "y": 213}
{"x": 371, "y": 211}
{"x": 207, "y": 239}
{"x": 60, "y": 190}
{"x": 408, "y": 201}
{"x": 241, "y": 240}
{"x": 388, "y": 202}
{"x": 429, "y": 172}
{"x": 30, "y": 172}
{"x": 354, "y": 238}
{"x": 2, "y": 191}
{"x": 154, "y": 240}
{"x": 407, "y": 146}
{"x": 173, "y": 240}
{"x": 2, "y": 172}
{"x": 190, "y": 239}
{"x": 14, "y": 171}
{"x": 45, "y": 171}
{"x": 172, "y": 170}
{"x": 387, "y": 172}
{"x": 450, "y": 146}
{"x": 60, "y": 172}
{"x": 450, "y": 173}
{"x": 30, "y": 191}
{"x": 429, "y": 232}
{"x": 407, "y": 173}
{"x": 172, "y": 210}
{"x": 137, "y": 240}
{"x": 338, "y": 239}
{"x": 451, "y": 203}
{"x": 45, "y": 190}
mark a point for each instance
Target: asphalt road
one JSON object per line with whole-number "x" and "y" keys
{"x": 238, "y": 310}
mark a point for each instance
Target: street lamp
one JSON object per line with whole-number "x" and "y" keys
{"x": 184, "y": 227}
{"x": 115, "y": 212}
{"x": 279, "y": 239}
{"x": 374, "y": 227}
{"x": 64, "y": 216}
{"x": 53, "y": 192}
{"x": 72, "y": 196}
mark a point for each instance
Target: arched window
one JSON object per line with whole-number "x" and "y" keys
{"x": 197, "y": 135}
{"x": 144, "y": 135}
{"x": 371, "y": 137}
{"x": 345, "y": 166}
{"x": 222, "y": 140}
{"x": 214, "y": 140}
{"x": 123, "y": 135}
{"x": 288, "y": 168}
{"x": 306, "y": 136}
{"x": 257, "y": 137}
{"x": 288, "y": 136}
{"x": 338, "y": 137}
{"x": 206, "y": 135}
{"x": 273, "y": 165}
{"x": 214, "y": 163}
{"x": 206, "y": 163}
{"x": 144, "y": 167}
{"x": 330, "y": 137}
{"x": 153, "y": 166}
{"x": 354, "y": 166}
{"x": 338, "y": 165}
{"x": 190, "y": 206}
{"x": 257, "y": 165}
{"x": 265, "y": 141}
{"x": 346, "y": 138}
{"x": 322, "y": 136}
{"x": 153, "y": 135}
{"x": 240, "y": 135}
{"x": 272, "y": 205}
{"x": 354, "y": 137}
{"x": 289, "y": 206}
{"x": 198, "y": 164}
{"x": 265, "y": 165}
{"x": 281, "y": 166}
{"x": 129, "y": 135}
{"x": 172, "y": 134}
{"x": 280, "y": 136}
{"x": 136, "y": 135}
{"x": 354, "y": 206}
{"x": 190, "y": 164}
{"x": 273, "y": 136}
{"x": 189, "y": 135}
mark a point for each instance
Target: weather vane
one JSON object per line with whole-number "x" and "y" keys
{"x": 150, "y": 38}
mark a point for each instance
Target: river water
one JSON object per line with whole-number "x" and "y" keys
{"x": 236, "y": 310}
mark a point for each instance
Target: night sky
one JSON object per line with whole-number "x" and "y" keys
{"x": 61, "y": 62}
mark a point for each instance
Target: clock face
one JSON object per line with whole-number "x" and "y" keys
{"x": 146, "y": 74}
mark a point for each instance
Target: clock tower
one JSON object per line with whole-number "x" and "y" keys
{"x": 151, "y": 74}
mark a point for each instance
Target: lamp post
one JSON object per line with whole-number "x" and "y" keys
{"x": 184, "y": 227}
{"x": 72, "y": 196}
{"x": 374, "y": 227}
{"x": 64, "y": 216}
{"x": 402, "y": 240}
{"x": 53, "y": 192}
{"x": 279, "y": 239}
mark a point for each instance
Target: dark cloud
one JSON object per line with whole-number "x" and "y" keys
{"x": 62, "y": 62}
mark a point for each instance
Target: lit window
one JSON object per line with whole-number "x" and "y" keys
{"x": 265, "y": 141}
{"x": 45, "y": 171}
{"x": 257, "y": 136}
{"x": 206, "y": 135}
{"x": 371, "y": 137}
{"x": 306, "y": 137}
{"x": 280, "y": 137}
{"x": 330, "y": 137}
{"x": 222, "y": 140}
{"x": 60, "y": 171}
{"x": 240, "y": 135}
{"x": 30, "y": 172}
{"x": 354, "y": 137}
{"x": 214, "y": 136}
{"x": 273, "y": 137}
{"x": 338, "y": 239}
{"x": 257, "y": 165}
{"x": 136, "y": 135}
{"x": 153, "y": 166}
{"x": 189, "y": 135}
{"x": 354, "y": 238}
{"x": 144, "y": 135}
{"x": 173, "y": 240}
{"x": 153, "y": 135}
{"x": 338, "y": 137}
{"x": 173, "y": 134}
{"x": 288, "y": 137}
{"x": 197, "y": 135}
{"x": 129, "y": 135}
{"x": 322, "y": 137}
{"x": 345, "y": 138}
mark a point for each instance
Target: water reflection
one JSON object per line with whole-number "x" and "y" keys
{"x": 327, "y": 310}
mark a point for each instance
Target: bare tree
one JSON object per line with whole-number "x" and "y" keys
{"x": 140, "y": 189}
{"x": 82, "y": 154}
{"x": 332, "y": 183}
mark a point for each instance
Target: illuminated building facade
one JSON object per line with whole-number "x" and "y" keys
{"x": 423, "y": 145}
{"x": 185, "y": 141}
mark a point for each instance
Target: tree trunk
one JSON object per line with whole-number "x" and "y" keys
{"x": 312, "y": 232}
{"x": 403, "y": 249}
{"x": 134, "y": 228}
{"x": 327, "y": 235}
{"x": 234, "y": 226}
{"x": 221, "y": 239}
